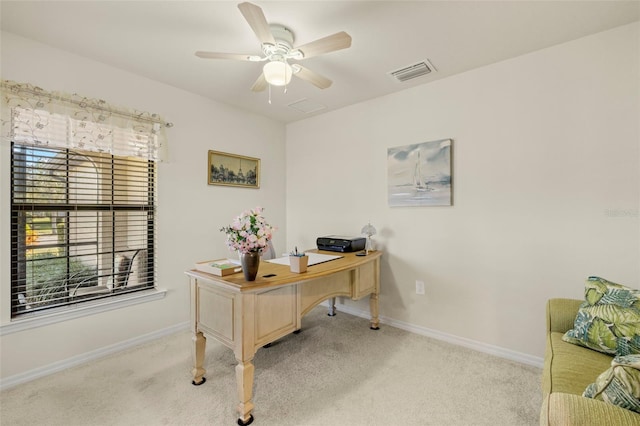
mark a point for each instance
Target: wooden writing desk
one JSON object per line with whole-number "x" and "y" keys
{"x": 246, "y": 315}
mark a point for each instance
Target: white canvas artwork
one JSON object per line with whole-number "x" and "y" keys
{"x": 420, "y": 174}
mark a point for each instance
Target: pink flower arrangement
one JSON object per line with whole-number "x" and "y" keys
{"x": 248, "y": 232}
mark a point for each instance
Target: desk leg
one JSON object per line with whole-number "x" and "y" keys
{"x": 373, "y": 308}
{"x": 244, "y": 378}
{"x": 332, "y": 307}
{"x": 197, "y": 352}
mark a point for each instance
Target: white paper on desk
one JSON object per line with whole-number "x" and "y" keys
{"x": 314, "y": 259}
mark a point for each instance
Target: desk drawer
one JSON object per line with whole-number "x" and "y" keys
{"x": 365, "y": 280}
{"x": 276, "y": 314}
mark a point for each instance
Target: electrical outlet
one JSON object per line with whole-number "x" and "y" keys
{"x": 419, "y": 287}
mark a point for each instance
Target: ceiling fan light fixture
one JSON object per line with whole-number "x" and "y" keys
{"x": 277, "y": 73}
{"x": 277, "y": 44}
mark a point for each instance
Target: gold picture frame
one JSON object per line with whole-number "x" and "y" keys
{"x": 233, "y": 170}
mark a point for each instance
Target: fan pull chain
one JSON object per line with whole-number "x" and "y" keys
{"x": 269, "y": 94}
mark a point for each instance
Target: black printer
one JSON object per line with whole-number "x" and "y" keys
{"x": 341, "y": 244}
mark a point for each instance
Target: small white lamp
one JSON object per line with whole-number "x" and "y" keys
{"x": 368, "y": 230}
{"x": 277, "y": 73}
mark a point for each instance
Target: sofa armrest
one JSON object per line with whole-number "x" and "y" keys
{"x": 561, "y": 313}
{"x": 564, "y": 409}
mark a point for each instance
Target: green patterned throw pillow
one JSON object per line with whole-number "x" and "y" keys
{"x": 620, "y": 384}
{"x": 608, "y": 320}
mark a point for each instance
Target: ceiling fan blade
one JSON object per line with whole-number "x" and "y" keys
{"x": 312, "y": 77}
{"x": 327, "y": 44}
{"x": 216, "y": 55}
{"x": 256, "y": 19}
{"x": 260, "y": 84}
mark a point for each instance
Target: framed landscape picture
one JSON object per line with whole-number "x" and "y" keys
{"x": 233, "y": 170}
{"x": 420, "y": 174}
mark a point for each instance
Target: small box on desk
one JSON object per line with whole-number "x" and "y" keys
{"x": 220, "y": 267}
{"x": 298, "y": 264}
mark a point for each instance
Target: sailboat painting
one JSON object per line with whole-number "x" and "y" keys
{"x": 420, "y": 174}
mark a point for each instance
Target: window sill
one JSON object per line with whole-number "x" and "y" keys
{"x": 36, "y": 320}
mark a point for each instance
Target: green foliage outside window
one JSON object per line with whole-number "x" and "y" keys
{"x": 48, "y": 281}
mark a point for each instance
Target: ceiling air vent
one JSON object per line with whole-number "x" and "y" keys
{"x": 306, "y": 106}
{"x": 413, "y": 71}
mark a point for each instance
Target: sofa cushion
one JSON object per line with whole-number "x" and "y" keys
{"x": 620, "y": 384}
{"x": 561, "y": 314}
{"x": 573, "y": 410}
{"x": 570, "y": 368}
{"x": 608, "y": 320}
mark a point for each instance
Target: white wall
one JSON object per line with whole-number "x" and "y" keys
{"x": 190, "y": 212}
{"x": 546, "y": 178}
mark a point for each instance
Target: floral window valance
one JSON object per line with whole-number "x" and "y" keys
{"x": 33, "y": 116}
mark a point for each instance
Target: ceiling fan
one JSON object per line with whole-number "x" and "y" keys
{"x": 278, "y": 50}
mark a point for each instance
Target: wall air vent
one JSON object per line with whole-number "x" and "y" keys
{"x": 413, "y": 71}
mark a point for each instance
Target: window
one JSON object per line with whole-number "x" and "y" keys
{"x": 83, "y": 199}
{"x": 82, "y": 226}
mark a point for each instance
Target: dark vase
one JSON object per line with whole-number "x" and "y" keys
{"x": 250, "y": 263}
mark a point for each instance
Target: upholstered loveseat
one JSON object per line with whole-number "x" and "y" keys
{"x": 568, "y": 370}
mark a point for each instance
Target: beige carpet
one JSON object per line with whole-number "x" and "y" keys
{"x": 336, "y": 372}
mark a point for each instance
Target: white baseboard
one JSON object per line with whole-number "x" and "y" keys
{"x": 449, "y": 338}
{"x": 37, "y": 373}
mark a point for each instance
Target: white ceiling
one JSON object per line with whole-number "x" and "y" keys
{"x": 157, "y": 39}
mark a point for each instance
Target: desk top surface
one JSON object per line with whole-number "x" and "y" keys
{"x": 282, "y": 275}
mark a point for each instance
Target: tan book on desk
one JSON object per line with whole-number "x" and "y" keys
{"x": 219, "y": 267}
